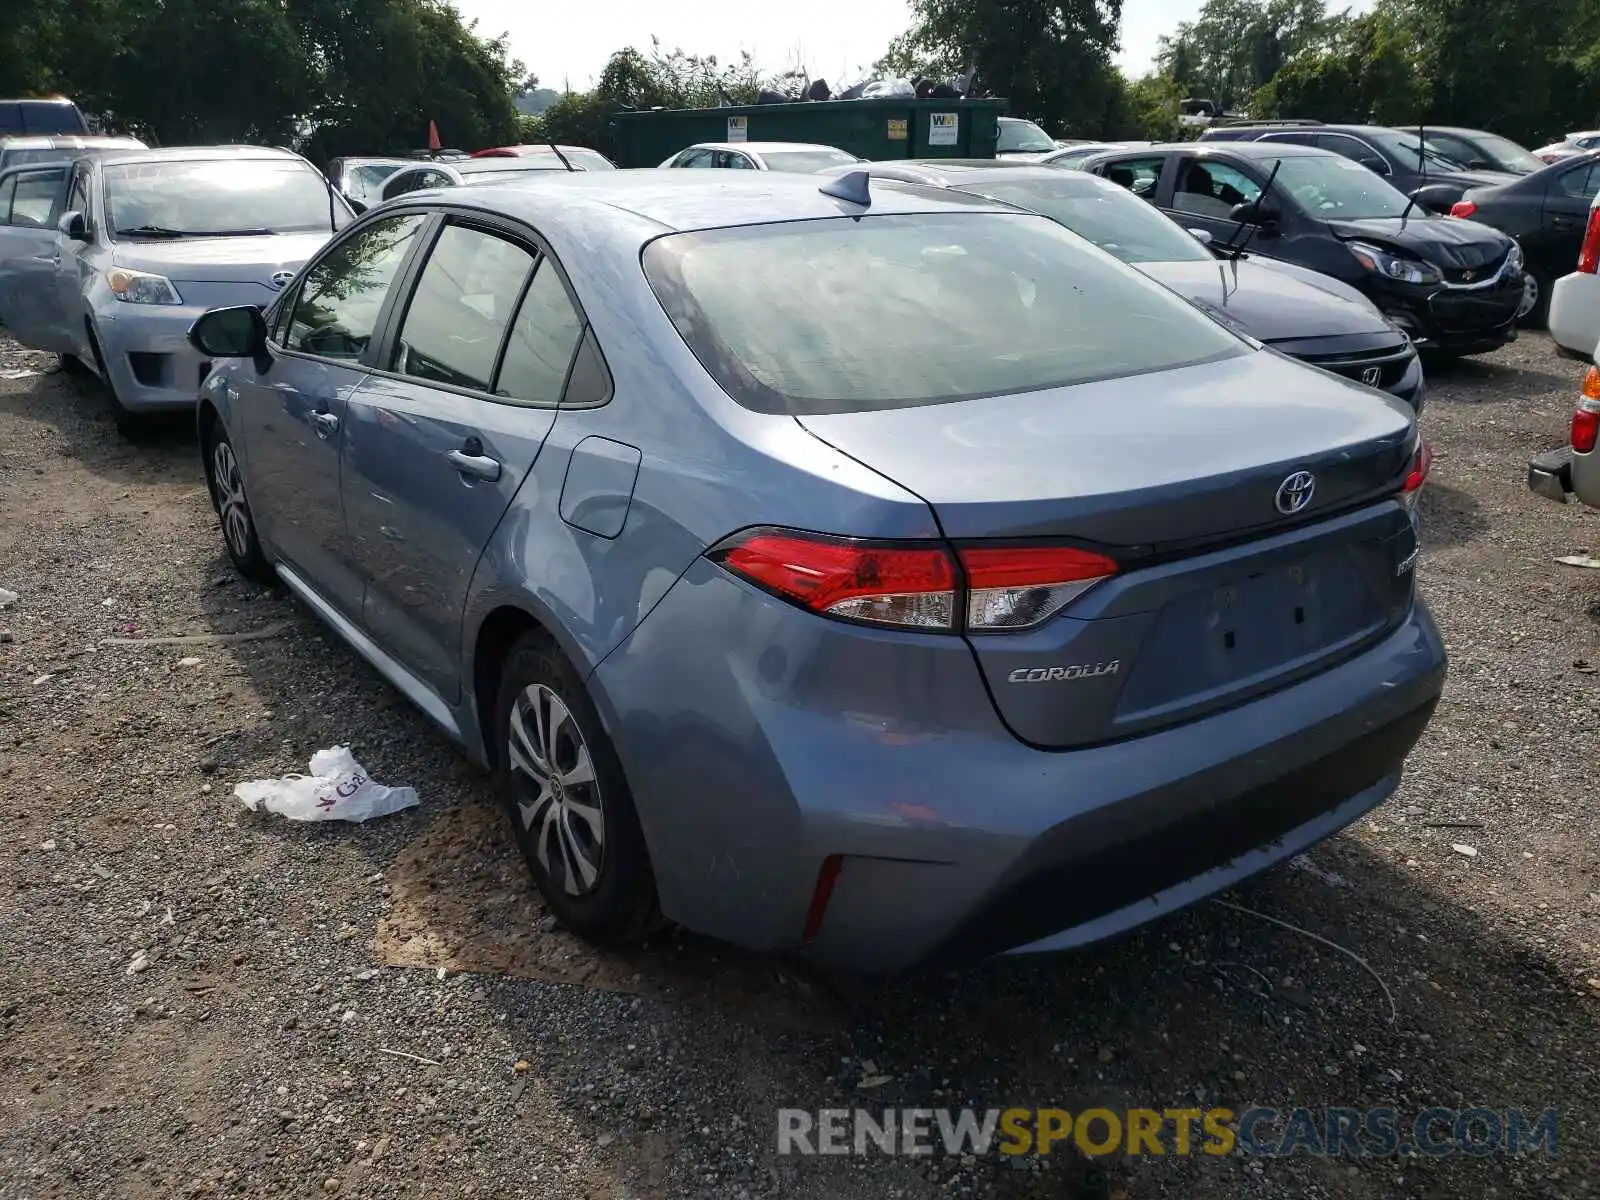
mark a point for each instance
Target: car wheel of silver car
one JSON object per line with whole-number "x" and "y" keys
{"x": 226, "y": 481}
{"x": 569, "y": 805}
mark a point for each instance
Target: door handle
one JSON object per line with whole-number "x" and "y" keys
{"x": 326, "y": 423}
{"x": 479, "y": 466}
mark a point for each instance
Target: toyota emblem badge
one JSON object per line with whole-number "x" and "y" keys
{"x": 1294, "y": 493}
{"x": 281, "y": 279}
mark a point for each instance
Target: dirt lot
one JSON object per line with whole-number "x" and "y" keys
{"x": 197, "y": 1000}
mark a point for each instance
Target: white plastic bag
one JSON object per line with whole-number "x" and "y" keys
{"x": 338, "y": 789}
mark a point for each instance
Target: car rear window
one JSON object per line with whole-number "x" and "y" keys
{"x": 847, "y": 315}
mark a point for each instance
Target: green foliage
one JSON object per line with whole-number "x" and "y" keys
{"x": 1235, "y": 47}
{"x": 357, "y": 76}
{"x": 1050, "y": 58}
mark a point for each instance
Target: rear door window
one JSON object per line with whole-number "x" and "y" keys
{"x": 941, "y": 307}
{"x": 336, "y": 310}
{"x": 539, "y": 351}
{"x": 38, "y": 117}
{"x": 1580, "y": 183}
{"x": 695, "y": 158}
{"x": 462, "y": 306}
{"x": 1141, "y": 176}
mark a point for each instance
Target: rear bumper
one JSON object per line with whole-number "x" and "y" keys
{"x": 1574, "y": 318}
{"x": 801, "y": 741}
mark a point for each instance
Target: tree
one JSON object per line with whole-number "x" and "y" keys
{"x": 1050, "y": 58}
{"x": 1236, "y": 47}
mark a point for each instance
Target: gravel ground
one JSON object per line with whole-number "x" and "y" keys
{"x": 197, "y": 1000}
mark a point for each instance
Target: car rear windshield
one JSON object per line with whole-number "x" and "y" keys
{"x": 214, "y": 197}
{"x": 40, "y": 116}
{"x": 1109, "y": 216}
{"x": 805, "y": 161}
{"x": 846, "y": 315}
{"x": 1022, "y": 137}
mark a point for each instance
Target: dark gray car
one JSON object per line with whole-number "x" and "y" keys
{"x": 834, "y": 567}
{"x": 1299, "y": 312}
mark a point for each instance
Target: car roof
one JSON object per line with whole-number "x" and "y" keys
{"x": 65, "y": 141}
{"x": 761, "y": 147}
{"x": 202, "y": 154}
{"x": 1461, "y": 129}
{"x": 959, "y": 172}
{"x": 1248, "y": 149}
{"x": 473, "y": 166}
{"x": 656, "y": 202}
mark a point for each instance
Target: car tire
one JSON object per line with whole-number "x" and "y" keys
{"x": 1536, "y": 316}
{"x": 225, "y": 480}
{"x": 576, "y": 826}
{"x": 71, "y": 364}
{"x": 129, "y": 423}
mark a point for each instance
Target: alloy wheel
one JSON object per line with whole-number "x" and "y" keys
{"x": 557, "y": 794}
{"x": 230, "y": 499}
{"x": 1530, "y": 294}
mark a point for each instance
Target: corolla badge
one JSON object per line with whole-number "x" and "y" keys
{"x": 281, "y": 278}
{"x": 1295, "y": 492}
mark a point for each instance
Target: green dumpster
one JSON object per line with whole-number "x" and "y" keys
{"x": 890, "y": 127}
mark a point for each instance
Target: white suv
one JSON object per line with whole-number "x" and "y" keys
{"x": 1574, "y": 320}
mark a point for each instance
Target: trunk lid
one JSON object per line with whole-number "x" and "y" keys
{"x": 1221, "y": 596}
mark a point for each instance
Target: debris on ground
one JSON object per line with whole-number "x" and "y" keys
{"x": 1580, "y": 560}
{"x": 7, "y": 599}
{"x": 338, "y": 789}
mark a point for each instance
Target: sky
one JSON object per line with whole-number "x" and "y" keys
{"x": 569, "y": 43}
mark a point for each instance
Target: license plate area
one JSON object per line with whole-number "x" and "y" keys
{"x": 1245, "y": 632}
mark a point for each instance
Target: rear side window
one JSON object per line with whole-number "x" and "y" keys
{"x": 542, "y": 340}
{"x": 458, "y": 315}
{"x": 1139, "y": 175}
{"x": 338, "y": 305}
{"x": 1582, "y": 183}
{"x": 935, "y": 308}
{"x": 38, "y": 117}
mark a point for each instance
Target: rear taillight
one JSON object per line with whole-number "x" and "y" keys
{"x": 1589, "y": 254}
{"x": 1014, "y": 588}
{"x": 915, "y": 585}
{"x": 1463, "y": 208}
{"x": 1586, "y": 416}
{"x": 1421, "y": 463}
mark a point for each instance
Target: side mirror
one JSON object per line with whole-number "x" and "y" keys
{"x": 1260, "y": 211}
{"x": 360, "y": 206}
{"x": 1203, "y": 236}
{"x": 1478, "y": 164}
{"x": 72, "y": 225}
{"x": 230, "y": 333}
{"x": 1378, "y": 166}
{"x": 1437, "y": 197}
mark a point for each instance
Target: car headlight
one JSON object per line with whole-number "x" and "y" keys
{"x": 137, "y": 287}
{"x": 1514, "y": 259}
{"x": 1392, "y": 266}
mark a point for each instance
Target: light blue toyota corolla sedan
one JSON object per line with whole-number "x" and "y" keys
{"x": 135, "y": 246}
{"x": 878, "y": 576}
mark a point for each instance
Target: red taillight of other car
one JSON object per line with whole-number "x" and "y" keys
{"x": 915, "y": 585}
{"x": 1463, "y": 208}
{"x": 1421, "y": 464}
{"x": 1589, "y": 254}
{"x": 1586, "y": 416}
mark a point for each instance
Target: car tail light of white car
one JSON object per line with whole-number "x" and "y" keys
{"x": 1589, "y": 254}
{"x": 1586, "y": 416}
{"x": 915, "y": 585}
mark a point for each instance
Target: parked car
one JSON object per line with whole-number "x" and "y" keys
{"x": 1401, "y": 158}
{"x": 1570, "y": 146}
{"x": 55, "y": 115}
{"x": 421, "y": 176}
{"x": 1573, "y": 469}
{"x": 580, "y": 157}
{"x": 359, "y": 180}
{"x": 21, "y": 151}
{"x": 1477, "y": 149}
{"x": 1017, "y": 136}
{"x": 1076, "y": 156}
{"x": 1298, "y": 312}
{"x": 935, "y": 504}
{"x": 1454, "y": 286}
{"x": 760, "y": 156}
{"x": 1547, "y": 213}
{"x": 136, "y": 246}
